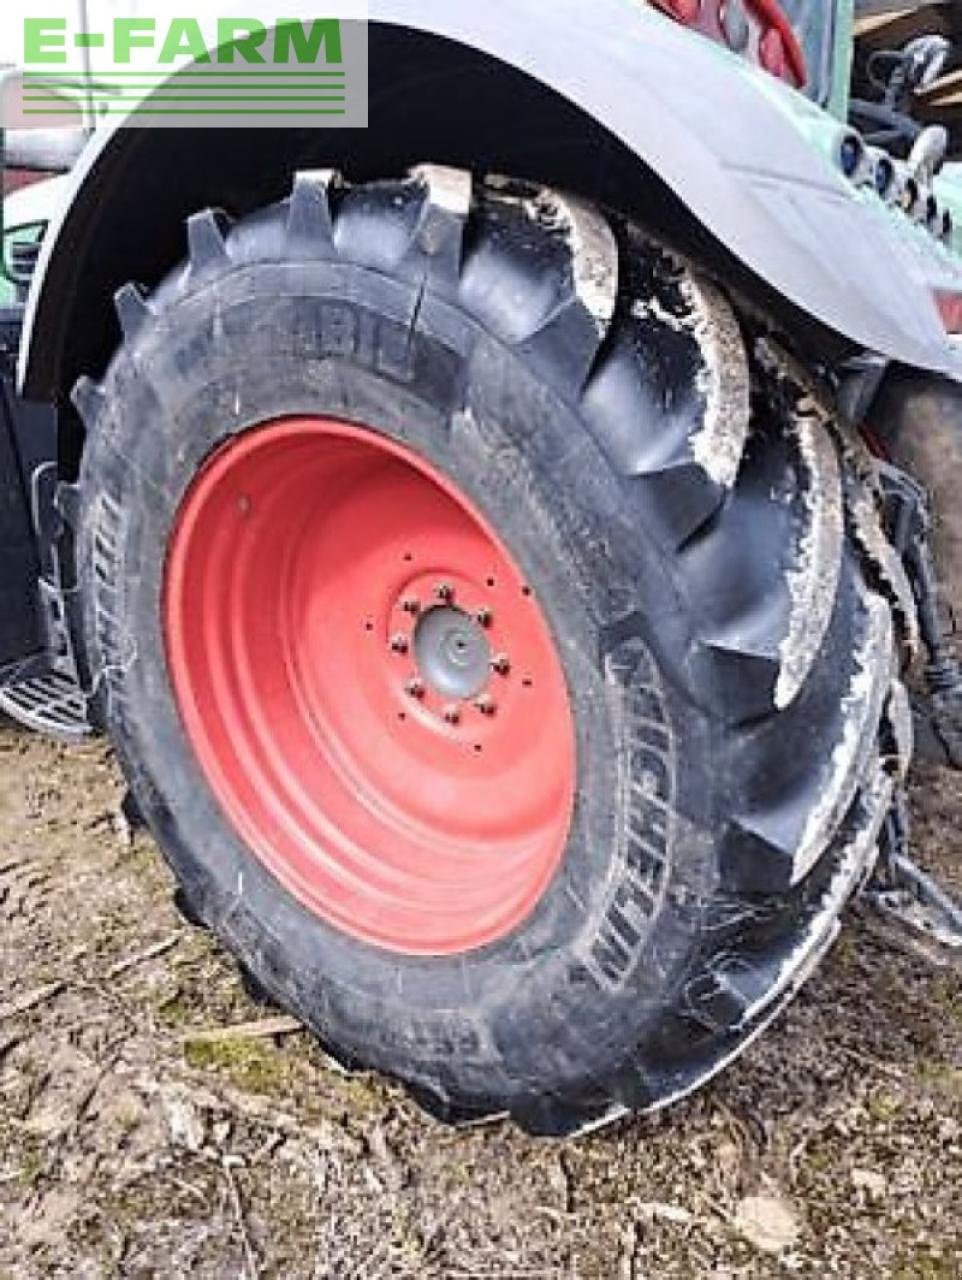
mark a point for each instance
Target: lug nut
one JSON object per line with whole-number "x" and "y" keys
{"x": 501, "y": 664}
{"x": 399, "y": 643}
{"x": 414, "y": 688}
{"x": 452, "y": 714}
{"x": 445, "y": 592}
{"x": 487, "y": 706}
{"x": 484, "y": 617}
{"x": 410, "y": 605}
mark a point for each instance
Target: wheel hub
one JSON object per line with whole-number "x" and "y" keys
{"x": 369, "y": 686}
{"x": 452, "y": 652}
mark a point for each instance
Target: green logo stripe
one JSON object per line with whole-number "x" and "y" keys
{"x": 148, "y": 67}
{"x": 80, "y": 74}
{"x": 207, "y": 97}
{"x": 104, "y": 90}
{"x": 194, "y": 111}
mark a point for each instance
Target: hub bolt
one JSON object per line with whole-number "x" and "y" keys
{"x": 445, "y": 592}
{"x": 399, "y": 643}
{"x": 452, "y": 714}
{"x": 411, "y": 605}
{"x": 414, "y": 688}
{"x": 501, "y": 664}
{"x": 486, "y": 705}
{"x": 484, "y": 617}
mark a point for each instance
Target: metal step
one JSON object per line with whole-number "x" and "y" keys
{"x": 917, "y": 904}
{"x": 51, "y": 703}
{"x": 911, "y": 909}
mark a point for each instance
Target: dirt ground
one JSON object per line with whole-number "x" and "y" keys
{"x": 137, "y": 1139}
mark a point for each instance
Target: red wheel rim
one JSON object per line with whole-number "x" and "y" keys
{"x": 369, "y": 686}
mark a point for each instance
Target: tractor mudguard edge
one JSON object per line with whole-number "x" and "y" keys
{"x": 736, "y": 153}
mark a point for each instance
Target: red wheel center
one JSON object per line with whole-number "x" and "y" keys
{"x": 369, "y": 686}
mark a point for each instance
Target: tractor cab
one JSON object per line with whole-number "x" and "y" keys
{"x": 893, "y": 66}
{"x": 794, "y": 40}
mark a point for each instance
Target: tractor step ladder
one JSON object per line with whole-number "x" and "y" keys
{"x": 50, "y": 703}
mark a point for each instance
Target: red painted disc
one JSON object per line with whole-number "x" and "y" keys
{"x": 369, "y": 686}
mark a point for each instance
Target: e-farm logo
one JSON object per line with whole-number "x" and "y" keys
{"x": 170, "y": 69}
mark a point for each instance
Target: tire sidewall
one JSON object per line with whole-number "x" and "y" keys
{"x": 547, "y": 1007}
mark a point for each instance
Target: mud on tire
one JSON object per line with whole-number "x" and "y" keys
{"x": 680, "y": 517}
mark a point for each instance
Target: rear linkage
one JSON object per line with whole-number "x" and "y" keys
{"x": 908, "y": 524}
{"x": 924, "y": 915}
{"x": 900, "y": 890}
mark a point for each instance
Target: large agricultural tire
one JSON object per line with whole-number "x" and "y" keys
{"x": 918, "y": 421}
{"x": 483, "y": 640}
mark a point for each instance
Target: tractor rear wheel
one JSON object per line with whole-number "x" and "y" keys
{"x": 481, "y": 637}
